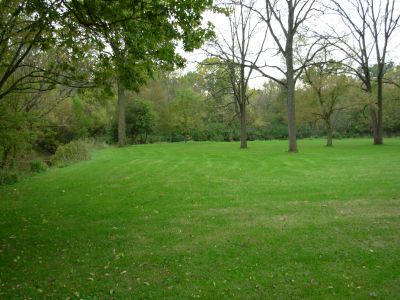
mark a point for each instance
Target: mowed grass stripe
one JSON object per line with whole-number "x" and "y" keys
{"x": 208, "y": 220}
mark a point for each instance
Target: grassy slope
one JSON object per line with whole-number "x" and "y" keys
{"x": 208, "y": 220}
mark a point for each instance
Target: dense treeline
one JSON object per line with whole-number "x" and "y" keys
{"x": 194, "y": 107}
{"x": 176, "y": 108}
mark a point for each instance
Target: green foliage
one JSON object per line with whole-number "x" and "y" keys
{"x": 186, "y": 108}
{"x": 8, "y": 177}
{"x": 18, "y": 130}
{"x": 87, "y": 114}
{"x": 80, "y": 126}
{"x": 140, "y": 120}
{"x": 49, "y": 138}
{"x": 37, "y": 166}
{"x": 70, "y": 153}
{"x": 143, "y": 34}
{"x": 39, "y": 48}
{"x": 189, "y": 110}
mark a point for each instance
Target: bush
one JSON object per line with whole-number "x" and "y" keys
{"x": 177, "y": 137}
{"x": 48, "y": 140}
{"x": 70, "y": 153}
{"x": 8, "y": 177}
{"x": 37, "y": 166}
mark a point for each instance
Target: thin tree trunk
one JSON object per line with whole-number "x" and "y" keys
{"x": 291, "y": 102}
{"x": 374, "y": 119}
{"x": 121, "y": 114}
{"x": 378, "y": 130}
{"x": 329, "y": 132}
{"x": 374, "y": 113}
{"x": 291, "y": 105}
{"x": 243, "y": 127}
{"x": 291, "y": 117}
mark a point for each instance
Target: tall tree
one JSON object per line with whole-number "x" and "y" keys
{"x": 237, "y": 55}
{"x": 370, "y": 26}
{"x": 36, "y": 52}
{"x": 284, "y": 20}
{"x": 142, "y": 37}
{"x": 215, "y": 84}
{"x": 329, "y": 87}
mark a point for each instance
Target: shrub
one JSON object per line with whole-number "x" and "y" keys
{"x": 48, "y": 140}
{"x": 8, "y": 177}
{"x": 70, "y": 153}
{"x": 177, "y": 137}
{"x": 37, "y": 166}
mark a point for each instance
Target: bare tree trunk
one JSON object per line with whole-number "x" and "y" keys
{"x": 239, "y": 58}
{"x": 121, "y": 114}
{"x": 329, "y": 132}
{"x": 291, "y": 117}
{"x": 374, "y": 115}
{"x": 243, "y": 127}
{"x": 378, "y": 130}
{"x": 374, "y": 121}
{"x": 372, "y": 24}
{"x": 291, "y": 101}
{"x": 290, "y": 81}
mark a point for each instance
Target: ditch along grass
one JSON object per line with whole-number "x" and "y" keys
{"x": 208, "y": 220}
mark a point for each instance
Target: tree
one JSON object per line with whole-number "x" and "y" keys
{"x": 36, "y": 52}
{"x": 284, "y": 19}
{"x": 329, "y": 87}
{"x": 16, "y": 131}
{"x": 370, "y": 25}
{"x": 140, "y": 120}
{"x": 188, "y": 110}
{"x": 235, "y": 53}
{"x": 142, "y": 36}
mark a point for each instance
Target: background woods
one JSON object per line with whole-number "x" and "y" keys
{"x": 73, "y": 70}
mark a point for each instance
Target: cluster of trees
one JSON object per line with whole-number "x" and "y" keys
{"x": 195, "y": 106}
{"x": 52, "y": 50}
{"x": 105, "y": 69}
{"x": 362, "y": 47}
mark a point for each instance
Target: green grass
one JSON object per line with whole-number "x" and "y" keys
{"x": 208, "y": 220}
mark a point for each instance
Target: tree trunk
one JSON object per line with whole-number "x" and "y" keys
{"x": 121, "y": 114}
{"x": 329, "y": 132}
{"x": 374, "y": 120}
{"x": 291, "y": 117}
{"x": 291, "y": 106}
{"x": 378, "y": 130}
{"x": 243, "y": 127}
{"x": 290, "y": 81}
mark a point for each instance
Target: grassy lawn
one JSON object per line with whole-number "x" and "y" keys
{"x": 208, "y": 220}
